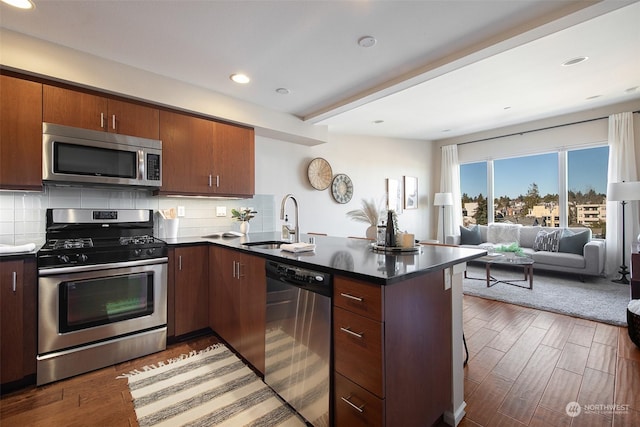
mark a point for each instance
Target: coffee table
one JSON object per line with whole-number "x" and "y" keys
{"x": 506, "y": 259}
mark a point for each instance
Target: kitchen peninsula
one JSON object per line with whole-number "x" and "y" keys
{"x": 403, "y": 366}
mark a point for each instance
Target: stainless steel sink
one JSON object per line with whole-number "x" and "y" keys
{"x": 269, "y": 244}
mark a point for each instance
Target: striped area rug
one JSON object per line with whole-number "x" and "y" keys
{"x": 209, "y": 388}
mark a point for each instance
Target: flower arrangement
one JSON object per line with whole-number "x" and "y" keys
{"x": 369, "y": 213}
{"x": 511, "y": 248}
{"x": 244, "y": 214}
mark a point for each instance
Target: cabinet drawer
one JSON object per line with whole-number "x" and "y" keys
{"x": 358, "y": 349}
{"x": 355, "y": 406}
{"x": 358, "y": 297}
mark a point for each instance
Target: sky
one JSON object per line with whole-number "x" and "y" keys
{"x": 587, "y": 169}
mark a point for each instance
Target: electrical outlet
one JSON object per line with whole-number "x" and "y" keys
{"x": 221, "y": 211}
{"x": 181, "y": 212}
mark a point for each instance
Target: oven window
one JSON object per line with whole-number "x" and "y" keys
{"x": 94, "y": 161}
{"x": 94, "y": 302}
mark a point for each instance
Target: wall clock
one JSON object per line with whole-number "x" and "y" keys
{"x": 320, "y": 173}
{"x": 342, "y": 188}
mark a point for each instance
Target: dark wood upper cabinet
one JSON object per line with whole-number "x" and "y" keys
{"x": 20, "y": 134}
{"x": 203, "y": 157}
{"x": 84, "y": 110}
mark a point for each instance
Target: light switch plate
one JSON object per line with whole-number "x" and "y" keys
{"x": 221, "y": 211}
{"x": 181, "y": 211}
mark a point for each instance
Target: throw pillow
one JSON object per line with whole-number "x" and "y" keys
{"x": 470, "y": 236}
{"x": 503, "y": 233}
{"x": 547, "y": 241}
{"x": 572, "y": 242}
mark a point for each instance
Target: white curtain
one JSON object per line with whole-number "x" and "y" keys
{"x": 622, "y": 167}
{"x": 450, "y": 183}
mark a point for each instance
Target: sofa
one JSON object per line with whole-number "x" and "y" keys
{"x": 567, "y": 250}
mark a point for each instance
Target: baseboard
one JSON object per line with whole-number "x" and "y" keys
{"x": 453, "y": 419}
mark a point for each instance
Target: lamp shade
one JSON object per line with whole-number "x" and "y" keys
{"x": 623, "y": 191}
{"x": 443, "y": 199}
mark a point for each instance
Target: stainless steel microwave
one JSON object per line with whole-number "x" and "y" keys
{"x": 74, "y": 155}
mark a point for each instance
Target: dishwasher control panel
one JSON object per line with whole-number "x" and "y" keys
{"x": 312, "y": 280}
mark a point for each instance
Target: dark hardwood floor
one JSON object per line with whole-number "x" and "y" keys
{"x": 525, "y": 366}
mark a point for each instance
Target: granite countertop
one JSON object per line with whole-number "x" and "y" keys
{"x": 347, "y": 256}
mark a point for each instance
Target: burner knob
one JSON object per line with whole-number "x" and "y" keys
{"x": 63, "y": 258}
{"x": 82, "y": 258}
{"x": 137, "y": 251}
{"x": 151, "y": 251}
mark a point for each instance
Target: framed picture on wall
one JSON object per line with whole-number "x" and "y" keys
{"x": 410, "y": 192}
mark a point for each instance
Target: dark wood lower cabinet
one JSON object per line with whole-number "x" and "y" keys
{"x": 392, "y": 350}
{"x": 18, "y": 282}
{"x": 237, "y": 306}
{"x": 191, "y": 288}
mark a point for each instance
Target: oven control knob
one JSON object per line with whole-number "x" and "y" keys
{"x": 151, "y": 251}
{"x": 137, "y": 251}
{"x": 63, "y": 258}
{"x": 82, "y": 258}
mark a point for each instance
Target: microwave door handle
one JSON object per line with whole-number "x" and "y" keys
{"x": 140, "y": 164}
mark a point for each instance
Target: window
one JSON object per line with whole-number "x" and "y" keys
{"x": 530, "y": 190}
{"x": 587, "y": 189}
{"x": 526, "y": 190}
{"x": 473, "y": 186}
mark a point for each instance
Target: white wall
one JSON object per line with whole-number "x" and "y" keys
{"x": 281, "y": 168}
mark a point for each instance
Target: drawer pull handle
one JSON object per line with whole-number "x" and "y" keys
{"x": 352, "y": 297}
{"x": 350, "y": 332}
{"x": 354, "y": 406}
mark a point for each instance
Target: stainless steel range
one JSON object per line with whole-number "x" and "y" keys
{"x": 102, "y": 291}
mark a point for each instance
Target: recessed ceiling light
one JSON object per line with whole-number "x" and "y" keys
{"x": 575, "y": 61}
{"x": 240, "y": 78}
{"x": 367, "y": 41}
{"x": 283, "y": 91}
{"x": 594, "y": 97}
{"x": 21, "y": 4}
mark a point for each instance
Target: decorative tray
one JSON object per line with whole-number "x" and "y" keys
{"x": 395, "y": 249}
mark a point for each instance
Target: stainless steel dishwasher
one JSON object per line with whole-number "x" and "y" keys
{"x": 298, "y": 339}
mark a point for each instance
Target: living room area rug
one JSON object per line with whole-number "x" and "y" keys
{"x": 212, "y": 387}
{"x": 597, "y": 298}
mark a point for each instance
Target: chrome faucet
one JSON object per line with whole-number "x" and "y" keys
{"x": 296, "y": 230}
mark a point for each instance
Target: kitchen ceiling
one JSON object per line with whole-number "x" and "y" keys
{"x": 438, "y": 69}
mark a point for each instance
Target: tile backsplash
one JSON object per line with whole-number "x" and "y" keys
{"x": 22, "y": 214}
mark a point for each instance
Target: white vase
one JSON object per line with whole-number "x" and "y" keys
{"x": 244, "y": 227}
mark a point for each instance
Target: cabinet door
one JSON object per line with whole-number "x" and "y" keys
{"x": 234, "y": 160}
{"x": 20, "y": 134}
{"x": 72, "y": 108}
{"x": 191, "y": 289}
{"x": 132, "y": 119}
{"x": 186, "y": 154}
{"x": 224, "y": 304}
{"x": 253, "y": 304}
{"x": 11, "y": 320}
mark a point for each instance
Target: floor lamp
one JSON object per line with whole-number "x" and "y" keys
{"x": 623, "y": 192}
{"x": 443, "y": 199}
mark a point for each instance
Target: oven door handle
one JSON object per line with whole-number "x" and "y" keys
{"x": 96, "y": 267}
